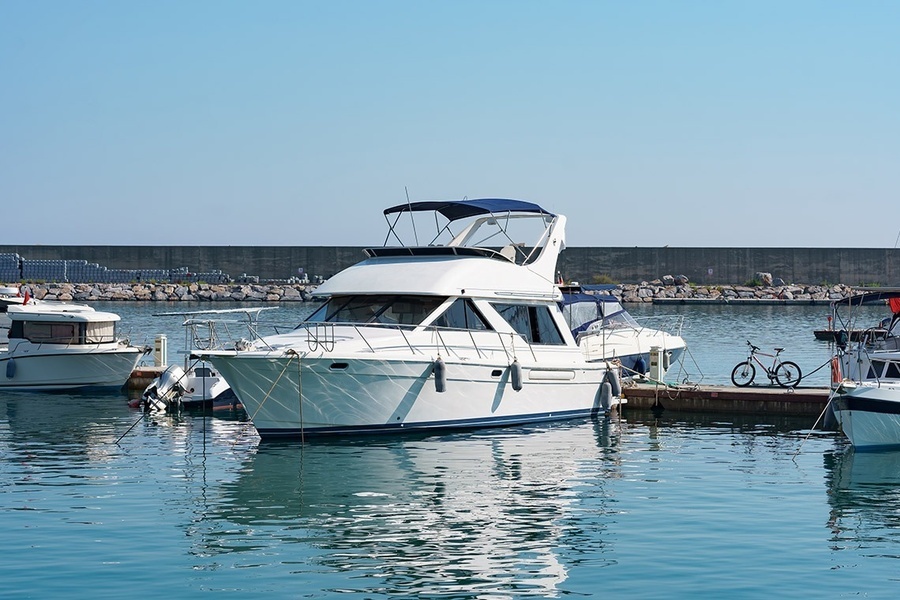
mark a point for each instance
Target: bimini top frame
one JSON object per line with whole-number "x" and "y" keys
{"x": 490, "y": 211}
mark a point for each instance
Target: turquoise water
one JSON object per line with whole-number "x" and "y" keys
{"x": 669, "y": 506}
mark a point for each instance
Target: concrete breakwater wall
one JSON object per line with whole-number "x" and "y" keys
{"x": 654, "y": 291}
{"x": 701, "y": 266}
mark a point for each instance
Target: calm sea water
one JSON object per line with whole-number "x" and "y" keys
{"x": 669, "y": 506}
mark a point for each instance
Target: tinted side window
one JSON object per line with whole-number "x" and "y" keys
{"x": 462, "y": 314}
{"x": 893, "y": 370}
{"x": 409, "y": 310}
{"x": 534, "y": 323}
{"x": 876, "y": 369}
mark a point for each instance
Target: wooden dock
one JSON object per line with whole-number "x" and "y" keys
{"x": 142, "y": 377}
{"x": 756, "y": 399}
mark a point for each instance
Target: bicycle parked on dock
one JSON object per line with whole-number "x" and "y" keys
{"x": 784, "y": 372}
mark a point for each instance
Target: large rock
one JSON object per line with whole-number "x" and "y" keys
{"x": 764, "y": 278}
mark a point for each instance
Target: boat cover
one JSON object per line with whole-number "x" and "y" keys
{"x": 582, "y": 310}
{"x": 890, "y": 296}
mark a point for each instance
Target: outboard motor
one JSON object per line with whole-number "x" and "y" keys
{"x": 166, "y": 391}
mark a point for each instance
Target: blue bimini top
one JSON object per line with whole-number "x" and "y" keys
{"x": 460, "y": 209}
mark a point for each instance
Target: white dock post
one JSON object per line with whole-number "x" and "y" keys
{"x": 657, "y": 370}
{"x": 161, "y": 351}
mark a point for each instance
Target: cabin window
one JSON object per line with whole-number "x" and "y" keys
{"x": 893, "y": 370}
{"x": 462, "y": 314}
{"x": 97, "y": 333}
{"x": 876, "y": 368}
{"x": 881, "y": 368}
{"x": 534, "y": 323}
{"x": 49, "y": 333}
{"x": 402, "y": 310}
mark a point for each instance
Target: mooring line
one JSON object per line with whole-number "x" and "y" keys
{"x": 821, "y": 414}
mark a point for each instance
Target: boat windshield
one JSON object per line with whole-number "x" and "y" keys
{"x": 390, "y": 310}
{"x": 587, "y": 311}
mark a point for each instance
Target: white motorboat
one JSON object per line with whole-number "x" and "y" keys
{"x": 60, "y": 346}
{"x": 866, "y": 374}
{"x": 455, "y": 333}
{"x": 197, "y": 384}
{"x": 606, "y": 331}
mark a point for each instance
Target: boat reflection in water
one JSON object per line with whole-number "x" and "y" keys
{"x": 491, "y": 511}
{"x": 864, "y": 496}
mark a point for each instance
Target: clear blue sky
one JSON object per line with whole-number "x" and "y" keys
{"x": 757, "y": 123}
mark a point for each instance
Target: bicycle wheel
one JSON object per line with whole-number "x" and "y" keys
{"x": 743, "y": 374}
{"x": 788, "y": 374}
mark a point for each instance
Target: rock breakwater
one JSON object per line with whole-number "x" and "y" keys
{"x": 169, "y": 292}
{"x": 652, "y": 291}
{"x": 657, "y": 291}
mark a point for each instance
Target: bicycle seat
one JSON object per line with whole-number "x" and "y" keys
{"x": 779, "y": 349}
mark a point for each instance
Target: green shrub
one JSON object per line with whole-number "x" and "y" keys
{"x": 603, "y": 279}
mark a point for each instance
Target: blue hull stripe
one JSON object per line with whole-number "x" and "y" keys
{"x": 426, "y": 426}
{"x": 854, "y": 403}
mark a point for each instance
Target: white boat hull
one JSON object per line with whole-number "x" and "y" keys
{"x": 70, "y": 369}
{"x": 205, "y": 390}
{"x": 869, "y": 414}
{"x": 338, "y": 395}
{"x": 627, "y": 345}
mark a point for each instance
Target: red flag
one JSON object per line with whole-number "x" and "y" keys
{"x": 27, "y": 298}
{"x": 894, "y": 303}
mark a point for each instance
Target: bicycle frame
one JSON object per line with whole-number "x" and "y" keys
{"x": 756, "y": 352}
{"x": 783, "y": 372}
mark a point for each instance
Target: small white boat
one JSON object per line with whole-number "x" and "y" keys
{"x": 866, "y": 375}
{"x": 60, "y": 346}
{"x": 197, "y": 384}
{"x": 465, "y": 331}
{"x": 606, "y": 331}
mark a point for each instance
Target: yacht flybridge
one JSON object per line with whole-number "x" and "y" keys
{"x": 465, "y": 331}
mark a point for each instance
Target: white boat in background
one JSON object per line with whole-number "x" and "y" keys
{"x": 866, "y": 373}
{"x": 59, "y": 346}
{"x": 197, "y": 384}
{"x": 9, "y": 296}
{"x": 454, "y": 333}
{"x": 606, "y": 331}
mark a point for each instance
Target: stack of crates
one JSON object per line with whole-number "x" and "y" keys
{"x": 44, "y": 270}
{"x": 79, "y": 271}
{"x": 153, "y": 275}
{"x": 215, "y": 276}
{"x": 10, "y": 268}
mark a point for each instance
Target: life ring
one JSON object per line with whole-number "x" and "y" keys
{"x": 836, "y": 376}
